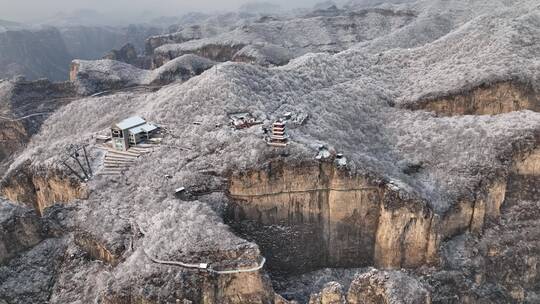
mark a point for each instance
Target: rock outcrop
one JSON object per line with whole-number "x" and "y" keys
{"x": 126, "y": 53}
{"x": 102, "y": 76}
{"x": 318, "y": 34}
{"x": 316, "y": 215}
{"x": 332, "y": 293}
{"x": 20, "y": 229}
{"x": 39, "y": 189}
{"x": 195, "y": 287}
{"x": 213, "y": 52}
{"x": 488, "y": 99}
{"x": 387, "y": 287}
{"x": 184, "y": 34}
{"x": 24, "y": 105}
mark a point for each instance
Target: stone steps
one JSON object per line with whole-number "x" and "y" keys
{"x": 116, "y": 162}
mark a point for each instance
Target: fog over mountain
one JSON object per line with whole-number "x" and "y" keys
{"x": 123, "y": 10}
{"x": 265, "y": 152}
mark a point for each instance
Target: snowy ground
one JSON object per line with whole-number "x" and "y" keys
{"x": 355, "y": 105}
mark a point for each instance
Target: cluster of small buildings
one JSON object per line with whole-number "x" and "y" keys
{"x": 243, "y": 120}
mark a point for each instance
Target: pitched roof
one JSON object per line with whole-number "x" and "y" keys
{"x": 144, "y": 128}
{"x": 131, "y": 122}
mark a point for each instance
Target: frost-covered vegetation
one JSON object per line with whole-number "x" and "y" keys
{"x": 355, "y": 101}
{"x": 106, "y": 74}
{"x": 301, "y": 35}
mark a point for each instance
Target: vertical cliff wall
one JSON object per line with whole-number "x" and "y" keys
{"x": 316, "y": 215}
{"x": 40, "y": 189}
{"x": 24, "y": 106}
{"x": 502, "y": 97}
{"x": 511, "y": 248}
{"x": 20, "y": 229}
{"x": 13, "y": 135}
{"x": 524, "y": 179}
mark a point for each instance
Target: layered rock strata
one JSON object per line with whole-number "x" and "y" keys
{"x": 40, "y": 189}
{"x": 498, "y": 98}
{"x": 316, "y": 215}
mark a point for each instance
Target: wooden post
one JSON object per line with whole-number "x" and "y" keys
{"x": 87, "y": 162}
{"x": 80, "y": 165}
{"x": 73, "y": 171}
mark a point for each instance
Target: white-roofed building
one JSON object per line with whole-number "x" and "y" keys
{"x": 130, "y": 132}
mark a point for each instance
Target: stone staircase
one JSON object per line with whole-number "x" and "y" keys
{"x": 116, "y": 162}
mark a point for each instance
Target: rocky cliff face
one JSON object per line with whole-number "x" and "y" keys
{"x": 20, "y": 229}
{"x": 211, "y": 51}
{"x": 252, "y": 288}
{"x": 522, "y": 183}
{"x": 39, "y": 189}
{"x": 318, "y": 34}
{"x": 24, "y": 106}
{"x": 126, "y": 53}
{"x": 13, "y": 135}
{"x": 499, "y": 266}
{"x": 314, "y": 216}
{"x": 501, "y": 97}
{"x": 511, "y": 247}
{"x": 451, "y": 199}
{"x": 184, "y": 34}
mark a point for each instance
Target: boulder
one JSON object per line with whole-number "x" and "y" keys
{"x": 387, "y": 287}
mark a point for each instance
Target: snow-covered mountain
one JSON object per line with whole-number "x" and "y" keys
{"x": 412, "y": 136}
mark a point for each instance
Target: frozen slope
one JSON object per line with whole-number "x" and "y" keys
{"x": 357, "y": 104}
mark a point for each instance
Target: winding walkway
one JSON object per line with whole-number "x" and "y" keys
{"x": 200, "y": 266}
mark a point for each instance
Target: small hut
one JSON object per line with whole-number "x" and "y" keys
{"x": 130, "y": 132}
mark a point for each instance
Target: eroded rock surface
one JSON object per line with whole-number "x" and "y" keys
{"x": 39, "y": 189}
{"x": 314, "y": 216}
{"x": 24, "y": 106}
{"x": 387, "y": 287}
{"x": 487, "y": 99}
{"x": 319, "y": 33}
{"x": 20, "y": 229}
{"x": 332, "y": 293}
{"x": 407, "y": 186}
{"x": 500, "y": 266}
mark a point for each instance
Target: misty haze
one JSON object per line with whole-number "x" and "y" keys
{"x": 270, "y": 152}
